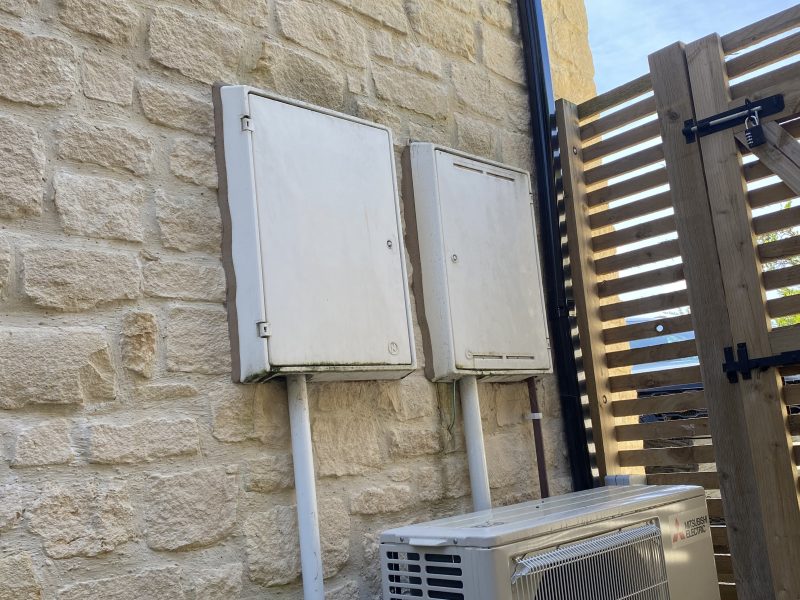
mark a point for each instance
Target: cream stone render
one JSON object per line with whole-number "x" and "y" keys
{"x": 130, "y": 466}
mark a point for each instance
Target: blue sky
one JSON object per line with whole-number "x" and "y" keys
{"x": 623, "y": 32}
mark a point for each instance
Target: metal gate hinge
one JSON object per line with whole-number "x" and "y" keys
{"x": 247, "y": 123}
{"x": 264, "y": 329}
{"x": 731, "y": 118}
{"x": 744, "y": 365}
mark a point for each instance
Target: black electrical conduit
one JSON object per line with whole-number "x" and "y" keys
{"x": 542, "y": 109}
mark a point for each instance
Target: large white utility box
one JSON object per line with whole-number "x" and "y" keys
{"x": 482, "y": 299}
{"x": 313, "y": 241}
{"x": 613, "y": 543}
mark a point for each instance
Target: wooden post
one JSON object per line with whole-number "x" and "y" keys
{"x": 747, "y": 419}
{"x": 584, "y": 282}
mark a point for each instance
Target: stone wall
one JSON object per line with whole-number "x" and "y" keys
{"x": 132, "y": 468}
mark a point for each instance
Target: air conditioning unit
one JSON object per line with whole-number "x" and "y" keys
{"x": 612, "y": 543}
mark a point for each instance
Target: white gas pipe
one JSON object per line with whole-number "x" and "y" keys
{"x": 476, "y": 453}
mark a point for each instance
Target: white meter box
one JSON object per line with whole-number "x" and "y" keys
{"x": 481, "y": 279}
{"x": 313, "y": 241}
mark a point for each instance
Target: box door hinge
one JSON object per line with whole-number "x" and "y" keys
{"x": 264, "y": 329}
{"x": 247, "y": 123}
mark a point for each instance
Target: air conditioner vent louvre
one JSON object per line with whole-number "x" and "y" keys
{"x": 428, "y": 576}
{"x": 626, "y": 565}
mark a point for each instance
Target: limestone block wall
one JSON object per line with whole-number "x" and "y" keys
{"x": 130, "y": 466}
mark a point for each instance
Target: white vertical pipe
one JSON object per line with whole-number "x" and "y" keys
{"x": 305, "y": 488}
{"x": 476, "y": 453}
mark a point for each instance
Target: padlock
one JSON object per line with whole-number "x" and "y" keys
{"x": 754, "y": 132}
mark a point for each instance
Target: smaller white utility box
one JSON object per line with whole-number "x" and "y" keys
{"x": 480, "y": 271}
{"x": 313, "y": 241}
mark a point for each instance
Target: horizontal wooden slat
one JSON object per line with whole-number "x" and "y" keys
{"x": 785, "y": 306}
{"x": 727, "y": 591}
{"x": 629, "y": 114}
{"x": 644, "y": 306}
{"x": 796, "y": 454}
{"x": 651, "y": 354}
{"x": 715, "y": 510}
{"x": 663, "y": 430}
{"x": 719, "y": 536}
{"x": 794, "y": 424}
{"x": 764, "y": 56}
{"x": 638, "y": 258}
{"x": 761, "y": 30}
{"x": 651, "y": 405}
{"x": 615, "y": 97}
{"x": 706, "y": 479}
{"x": 634, "y": 233}
{"x": 667, "y": 457}
{"x": 777, "y": 220}
{"x": 621, "y": 141}
{"x": 779, "y": 249}
{"x": 640, "y": 281}
{"x": 649, "y": 329}
{"x": 629, "y": 187}
{"x": 769, "y": 194}
{"x": 631, "y": 210}
{"x": 655, "y": 379}
{"x": 724, "y": 564}
{"x": 784, "y": 339}
{"x": 788, "y": 75}
{"x": 781, "y": 278}
{"x": 754, "y": 171}
{"x": 624, "y": 165}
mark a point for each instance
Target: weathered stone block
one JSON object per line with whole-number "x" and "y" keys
{"x": 18, "y": 579}
{"x": 197, "y": 340}
{"x": 476, "y": 137}
{"x": 73, "y": 280}
{"x": 476, "y": 90}
{"x": 142, "y": 441}
{"x": 442, "y": 27}
{"x": 115, "y": 21}
{"x": 106, "y": 145}
{"x": 174, "y": 108}
{"x": 271, "y": 561}
{"x": 17, "y": 7}
{"x": 378, "y": 500}
{"x": 138, "y": 341}
{"x": 84, "y": 519}
{"x": 410, "y": 441}
{"x": 45, "y": 444}
{"x": 247, "y": 412}
{"x": 22, "y": 163}
{"x": 162, "y": 392}
{"x": 430, "y": 487}
{"x": 16, "y": 500}
{"x": 224, "y": 583}
{"x": 516, "y": 149}
{"x": 323, "y": 29}
{"x": 270, "y": 473}
{"x": 413, "y": 397}
{"x": 184, "y": 280}
{"x": 189, "y": 223}
{"x": 107, "y": 79}
{"x": 346, "y": 591}
{"x": 49, "y": 365}
{"x": 194, "y": 162}
{"x": 455, "y": 476}
{"x": 6, "y": 256}
{"x": 503, "y": 55}
{"x": 199, "y": 48}
{"x": 99, "y": 207}
{"x": 390, "y": 13}
{"x": 191, "y": 509}
{"x": 509, "y": 457}
{"x": 346, "y": 444}
{"x": 164, "y": 582}
{"x": 299, "y": 76}
{"x": 36, "y": 70}
{"x": 416, "y": 56}
{"x": 409, "y": 91}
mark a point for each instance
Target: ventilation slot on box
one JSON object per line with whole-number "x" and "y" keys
{"x": 431, "y": 577}
{"x": 627, "y": 565}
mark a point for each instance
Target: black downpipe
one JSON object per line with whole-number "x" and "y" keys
{"x": 542, "y": 109}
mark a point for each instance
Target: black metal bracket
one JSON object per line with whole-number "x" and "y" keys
{"x": 744, "y": 365}
{"x": 731, "y": 118}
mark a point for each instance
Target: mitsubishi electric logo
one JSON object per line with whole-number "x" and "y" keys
{"x": 689, "y": 526}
